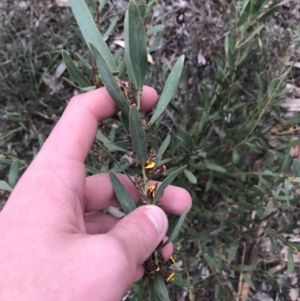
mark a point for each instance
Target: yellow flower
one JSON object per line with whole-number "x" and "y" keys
{"x": 172, "y": 259}
{"x": 171, "y": 277}
{"x": 149, "y": 164}
{"x": 151, "y": 190}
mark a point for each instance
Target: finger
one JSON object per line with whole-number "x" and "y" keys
{"x": 99, "y": 194}
{"x": 140, "y": 232}
{"x": 75, "y": 132}
{"x": 98, "y": 222}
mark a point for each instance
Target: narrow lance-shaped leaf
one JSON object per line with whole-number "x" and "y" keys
{"x": 248, "y": 280}
{"x": 13, "y": 173}
{"x": 110, "y": 28}
{"x": 162, "y": 149}
{"x": 84, "y": 61}
{"x": 233, "y": 251}
{"x": 156, "y": 41}
{"x": 109, "y": 81}
{"x": 272, "y": 86}
{"x": 90, "y": 31}
{"x": 78, "y": 33}
{"x": 169, "y": 89}
{"x": 180, "y": 282}
{"x": 135, "y": 47}
{"x": 155, "y": 29}
{"x": 255, "y": 32}
{"x": 137, "y": 133}
{"x": 74, "y": 72}
{"x": 72, "y": 84}
{"x": 245, "y": 4}
{"x": 124, "y": 198}
{"x": 149, "y": 7}
{"x": 166, "y": 182}
{"x": 153, "y": 294}
{"x": 213, "y": 166}
{"x": 4, "y": 186}
{"x": 102, "y": 4}
{"x": 160, "y": 288}
{"x": 114, "y": 159}
{"x": 190, "y": 176}
{"x": 178, "y": 226}
{"x": 290, "y": 262}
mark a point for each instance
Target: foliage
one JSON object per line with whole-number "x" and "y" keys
{"x": 142, "y": 166}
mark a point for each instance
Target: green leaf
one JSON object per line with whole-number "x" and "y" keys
{"x": 178, "y": 281}
{"x": 155, "y": 29}
{"x": 90, "y": 31}
{"x": 258, "y": 6}
{"x": 245, "y": 4}
{"x": 162, "y": 149}
{"x": 75, "y": 73}
{"x": 247, "y": 268}
{"x": 218, "y": 291}
{"x": 169, "y": 90}
{"x": 154, "y": 296}
{"x": 135, "y": 47}
{"x": 110, "y": 28}
{"x": 178, "y": 226}
{"x": 138, "y": 135}
{"x": 248, "y": 281}
{"x": 243, "y": 18}
{"x": 288, "y": 228}
{"x": 245, "y": 53}
{"x": 235, "y": 157}
{"x": 92, "y": 5}
{"x": 255, "y": 32}
{"x": 272, "y": 86}
{"x": 4, "y": 186}
{"x": 166, "y": 182}
{"x": 233, "y": 251}
{"x": 290, "y": 262}
{"x": 190, "y": 176}
{"x": 296, "y": 168}
{"x": 116, "y": 162}
{"x": 210, "y": 260}
{"x": 124, "y": 198}
{"x": 149, "y": 7}
{"x": 109, "y": 81}
{"x": 160, "y": 288}
{"x": 84, "y": 61}
{"x": 72, "y": 84}
{"x": 213, "y": 166}
{"x": 87, "y": 89}
{"x": 102, "y": 4}
{"x": 78, "y": 33}
{"x": 294, "y": 120}
{"x": 156, "y": 41}
{"x": 13, "y": 173}
{"x": 269, "y": 13}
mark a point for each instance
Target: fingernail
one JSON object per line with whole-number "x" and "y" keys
{"x": 156, "y": 216}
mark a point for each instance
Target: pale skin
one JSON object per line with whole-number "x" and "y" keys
{"x": 55, "y": 243}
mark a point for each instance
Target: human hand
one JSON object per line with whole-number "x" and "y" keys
{"x": 55, "y": 244}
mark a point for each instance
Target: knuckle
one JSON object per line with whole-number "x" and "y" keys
{"x": 141, "y": 235}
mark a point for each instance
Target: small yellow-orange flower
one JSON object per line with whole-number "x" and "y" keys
{"x": 172, "y": 259}
{"x": 171, "y": 277}
{"x": 151, "y": 190}
{"x": 149, "y": 164}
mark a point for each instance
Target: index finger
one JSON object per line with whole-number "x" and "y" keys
{"x": 75, "y": 132}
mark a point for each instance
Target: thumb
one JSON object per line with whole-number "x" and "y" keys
{"x": 140, "y": 232}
